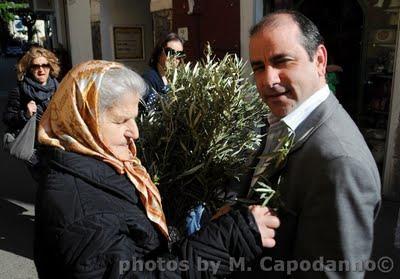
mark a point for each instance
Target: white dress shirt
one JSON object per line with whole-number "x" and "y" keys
{"x": 296, "y": 117}
{"x": 288, "y": 124}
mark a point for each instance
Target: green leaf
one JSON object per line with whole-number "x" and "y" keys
{"x": 199, "y": 137}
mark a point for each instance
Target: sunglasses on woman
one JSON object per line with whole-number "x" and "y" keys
{"x": 38, "y": 66}
{"x": 174, "y": 53}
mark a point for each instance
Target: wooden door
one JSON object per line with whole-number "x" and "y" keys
{"x": 217, "y": 22}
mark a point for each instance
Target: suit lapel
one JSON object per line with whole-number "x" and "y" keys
{"x": 302, "y": 133}
{"x": 314, "y": 121}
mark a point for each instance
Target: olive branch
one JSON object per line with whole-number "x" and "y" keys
{"x": 201, "y": 133}
{"x": 267, "y": 191}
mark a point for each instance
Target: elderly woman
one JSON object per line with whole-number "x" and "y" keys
{"x": 169, "y": 46}
{"x": 98, "y": 214}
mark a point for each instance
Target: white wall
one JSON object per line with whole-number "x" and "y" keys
{"x": 79, "y": 29}
{"x": 157, "y": 5}
{"x": 390, "y": 179}
{"x": 126, "y": 13}
{"x": 60, "y": 22}
{"x": 250, "y": 13}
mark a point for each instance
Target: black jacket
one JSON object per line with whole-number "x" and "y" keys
{"x": 26, "y": 91}
{"x": 156, "y": 87}
{"x": 90, "y": 223}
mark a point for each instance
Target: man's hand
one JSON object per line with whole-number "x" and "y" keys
{"x": 266, "y": 223}
{"x": 30, "y": 109}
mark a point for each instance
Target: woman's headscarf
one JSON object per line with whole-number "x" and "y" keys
{"x": 71, "y": 123}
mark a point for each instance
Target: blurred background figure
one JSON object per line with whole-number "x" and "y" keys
{"x": 169, "y": 46}
{"x": 332, "y": 78}
{"x": 36, "y": 73}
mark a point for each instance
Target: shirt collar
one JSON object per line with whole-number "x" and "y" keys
{"x": 297, "y": 116}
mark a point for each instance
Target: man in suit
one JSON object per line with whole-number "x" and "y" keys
{"x": 329, "y": 185}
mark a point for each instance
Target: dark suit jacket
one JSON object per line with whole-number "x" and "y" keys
{"x": 331, "y": 189}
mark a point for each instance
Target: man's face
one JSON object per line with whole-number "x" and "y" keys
{"x": 284, "y": 75}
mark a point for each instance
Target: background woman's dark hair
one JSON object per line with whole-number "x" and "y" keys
{"x": 158, "y": 49}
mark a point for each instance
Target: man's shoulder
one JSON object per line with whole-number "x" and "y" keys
{"x": 338, "y": 137}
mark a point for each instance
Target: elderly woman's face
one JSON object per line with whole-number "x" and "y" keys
{"x": 40, "y": 69}
{"x": 118, "y": 126}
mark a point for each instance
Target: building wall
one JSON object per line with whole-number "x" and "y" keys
{"x": 224, "y": 23}
{"x": 391, "y": 181}
{"x": 181, "y": 19}
{"x": 126, "y": 13}
{"x": 216, "y": 22}
{"x": 59, "y": 13}
{"x": 230, "y": 34}
{"x": 80, "y": 38}
{"x": 250, "y": 13}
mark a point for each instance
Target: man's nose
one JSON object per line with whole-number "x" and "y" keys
{"x": 271, "y": 76}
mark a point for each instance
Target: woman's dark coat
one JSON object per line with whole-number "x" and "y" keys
{"x": 27, "y": 90}
{"x": 90, "y": 223}
{"x": 156, "y": 87}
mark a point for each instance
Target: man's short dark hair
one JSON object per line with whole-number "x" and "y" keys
{"x": 310, "y": 36}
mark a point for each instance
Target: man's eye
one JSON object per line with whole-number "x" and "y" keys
{"x": 282, "y": 61}
{"x": 257, "y": 69}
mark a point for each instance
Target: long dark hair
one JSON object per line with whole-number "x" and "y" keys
{"x": 161, "y": 44}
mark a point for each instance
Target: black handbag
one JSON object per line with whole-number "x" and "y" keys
{"x": 22, "y": 146}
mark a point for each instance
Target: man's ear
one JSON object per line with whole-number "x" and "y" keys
{"x": 320, "y": 60}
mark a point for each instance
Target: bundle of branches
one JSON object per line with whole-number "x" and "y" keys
{"x": 199, "y": 137}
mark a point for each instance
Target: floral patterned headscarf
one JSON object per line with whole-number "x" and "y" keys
{"x": 71, "y": 122}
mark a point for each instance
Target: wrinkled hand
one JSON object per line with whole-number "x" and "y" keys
{"x": 31, "y": 108}
{"x": 266, "y": 223}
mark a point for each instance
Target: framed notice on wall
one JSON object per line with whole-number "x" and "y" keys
{"x": 128, "y": 43}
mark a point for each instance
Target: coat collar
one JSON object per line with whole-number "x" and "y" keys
{"x": 303, "y": 131}
{"x": 97, "y": 173}
{"x": 308, "y": 126}
{"x": 318, "y": 117}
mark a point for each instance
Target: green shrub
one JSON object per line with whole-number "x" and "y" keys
{"x": 199, "y": 137}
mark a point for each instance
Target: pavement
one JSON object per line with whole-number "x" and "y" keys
{"x": 17, "y": 195}
{"x": 385, "y": 256}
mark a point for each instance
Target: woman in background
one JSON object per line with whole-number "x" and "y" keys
{"x": 37, "y": 71}
{"x": 169, "y": 46}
